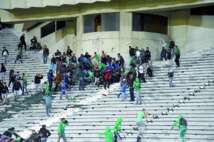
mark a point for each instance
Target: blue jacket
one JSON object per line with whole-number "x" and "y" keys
{"x": 51, "y": 67}
{"x": 66, "y": 79}
{"x": 123, "y": 88}
{"x": 50, "y": 76}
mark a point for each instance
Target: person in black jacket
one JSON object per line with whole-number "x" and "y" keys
{"x": 69, "y": 51}
{"x": 32, "y": 136}
{"x": 121, "y": 60}
{"x": 101, "y": 81}
{"x": 147, "y": 54}
{"x": 10, "y": 132}
{"x": 97, "y": 74}
{"x": 171, "y": 46}
{"x": 37, "y": 81}
{"x": 169, "y": 57}
{"x": 45, "y": 133}
{"x": 1, "y": 86}
{"x": 131, "y": 88}
{"x": 131, "y": 52}
{"x": 22, "y": 39}
{"x": 16, "y": 86}
{"x": 3, "y": 71}
{"x": 50, "y": 79}
{"x": 4, "y": 93}
{"x": 45, "y": 54}
{"x": 5, "y": 53}
{"x": 11, "y": 76}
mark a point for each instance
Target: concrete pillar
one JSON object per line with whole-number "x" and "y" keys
{"x": 125, "y": 35}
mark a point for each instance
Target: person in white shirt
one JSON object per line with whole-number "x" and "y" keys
{"x": 5, "y": 53}
{"x": 141, "y": 72}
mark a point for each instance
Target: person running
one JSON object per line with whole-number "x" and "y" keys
{"x": 123, "y": 89}
{"x": 45, "y": 133}
{"x": 61, "y": 130}
{"x": 63, "y": 86}
{"x": 182, "y": 124}
{"x": 16, "y": 86}
{"x": 5, "y": 53}
{"x": 117, "y": 130}
{"x": 170, "y": 75}
{"x": 139, "y": 123}
{"x": 3, "y": 71}
{"x": 24, "y": 84}
{"x": 48, "y": 102}
{"x": 96, "y": 62}
{"x": 19, "y": 55}
{"x": 137, "y": 87}
{"x": 4, "y": 92}
{"x": 108, "y": 134}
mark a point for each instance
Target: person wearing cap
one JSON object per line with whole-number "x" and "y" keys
{"x": 48, "y": 102}
{"x": 37, "y": 81}
{"x": 4, "y": 93}
{"x": 16, "y": 86}
{"x": 24, "y": 84}
{"x": 45, "y": 133}
{"x": 46, "y": 88}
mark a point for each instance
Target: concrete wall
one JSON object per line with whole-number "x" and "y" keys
{"x": 60, "y": 39}
{"x": 191, "y": 33}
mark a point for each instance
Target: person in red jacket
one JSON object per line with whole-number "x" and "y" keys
{"x": 107, "y": 75}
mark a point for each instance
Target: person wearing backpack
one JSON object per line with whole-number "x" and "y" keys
{"x": 182, "y": 126}
{"x": 170, "y": 75}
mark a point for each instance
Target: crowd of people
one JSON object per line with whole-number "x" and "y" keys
{"x": 93, "y": 70}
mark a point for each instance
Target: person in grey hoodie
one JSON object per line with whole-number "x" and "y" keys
{"x": 170, "y": 75}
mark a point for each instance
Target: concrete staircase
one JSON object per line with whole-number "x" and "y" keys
{"x": 192, "y": 97}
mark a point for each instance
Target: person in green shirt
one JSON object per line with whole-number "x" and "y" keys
{"x": 139, "y": 123}
{"x": 46, "y": 88}
{"x": 102, "y": 66}
{"x": 133, "y": 60}
{"x": 24, "y": 84}
{"x": 108, "y": 134}
{"x": 96, "y": 62}
{"x": 183, "y": 128}
{"x": 19, "y": 55}
{"x": 61, "y": 130}
{"x": 177, "y": 56}
{"x": 117, "y": 129}
{"x": 137, "y": 87}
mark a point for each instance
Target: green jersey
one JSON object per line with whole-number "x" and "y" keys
{"x": 140, "y": 116}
